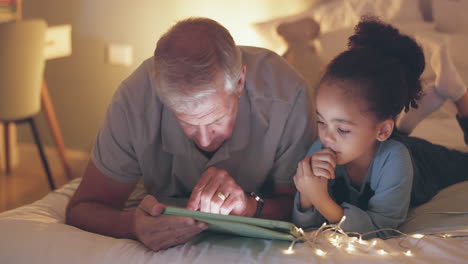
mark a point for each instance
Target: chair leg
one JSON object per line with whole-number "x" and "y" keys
{"x": 45, "y": 164}
{"x": 51, "y": 118}
{"x": 6, "y": 134}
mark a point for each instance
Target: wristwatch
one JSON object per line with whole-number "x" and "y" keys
{"x": 259, "y": 204}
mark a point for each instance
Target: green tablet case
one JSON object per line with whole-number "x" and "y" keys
{"x": 239, "y": 225}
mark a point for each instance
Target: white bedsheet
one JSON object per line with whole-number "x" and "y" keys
{"x": 36, "y": 233}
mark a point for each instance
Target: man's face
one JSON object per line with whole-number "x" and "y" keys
{"x": 212, "y": 122}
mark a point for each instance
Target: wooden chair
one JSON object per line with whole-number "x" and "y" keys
{"x": 21, "y": 72}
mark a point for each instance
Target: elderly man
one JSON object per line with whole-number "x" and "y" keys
{"x": 222, "y": 125}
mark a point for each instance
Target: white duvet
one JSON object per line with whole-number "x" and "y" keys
{"x": 36, "y": 233}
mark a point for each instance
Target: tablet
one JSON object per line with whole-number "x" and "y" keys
{"x": 240, "y": 225}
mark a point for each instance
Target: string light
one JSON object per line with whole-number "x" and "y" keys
{"x": 353, "y": 243}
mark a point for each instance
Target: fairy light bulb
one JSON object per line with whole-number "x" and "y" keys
{"x": 417, "y": 235}
{"x": 334, "y": 241}
{"x": 288, "y": 251}
{"x": 408, "y": 253}
{"x": 341, "y": 221}
{"x": 362, "y": 242}
{"x": 320, "y": 252}
{"x": 350, "y": 248}
{"x": 382, "y": 252}
{"x": 301, "y": 231}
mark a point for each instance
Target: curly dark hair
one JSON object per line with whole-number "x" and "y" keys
{"x": 383, "y": 66}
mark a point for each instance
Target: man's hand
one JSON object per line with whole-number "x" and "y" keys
{"x": 217, "y": 192}
{"x": 323, "y": 163}
{"x": 160, "y": 232}
{"x": 312, "y": 188}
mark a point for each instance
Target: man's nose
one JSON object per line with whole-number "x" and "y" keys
{"x": 204, "y": 136}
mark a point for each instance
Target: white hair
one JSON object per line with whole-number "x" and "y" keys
{"x": 189, "y": 58}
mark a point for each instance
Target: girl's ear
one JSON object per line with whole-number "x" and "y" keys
{"x": 385, "y": 129}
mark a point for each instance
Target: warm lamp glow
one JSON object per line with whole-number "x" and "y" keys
{"x": 239, "y": 16}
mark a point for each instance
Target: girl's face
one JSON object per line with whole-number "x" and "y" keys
{"x": 343, "y": 125}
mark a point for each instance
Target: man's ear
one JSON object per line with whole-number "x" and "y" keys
{"x": 241, "y": 82}
{"x": 385, "y": 129}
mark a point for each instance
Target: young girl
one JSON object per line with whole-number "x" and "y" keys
{"x": 361, "y": 167}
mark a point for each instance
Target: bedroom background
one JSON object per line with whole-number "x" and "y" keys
{"x": 81, "y": 85}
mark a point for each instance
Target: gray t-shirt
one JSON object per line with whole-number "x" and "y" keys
{"x": 140, "y": 136}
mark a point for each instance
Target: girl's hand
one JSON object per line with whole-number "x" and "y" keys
{"x": 312, "y": 188}
{"x": 323, "y": 163}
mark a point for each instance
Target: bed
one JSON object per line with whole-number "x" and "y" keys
{"x": 434, "y": 232}
{"x": 36, "y": 233}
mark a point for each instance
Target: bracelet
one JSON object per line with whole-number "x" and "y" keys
{"x": 260, "y": 202}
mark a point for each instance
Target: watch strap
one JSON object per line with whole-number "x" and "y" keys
{"x": 260, "y": 203}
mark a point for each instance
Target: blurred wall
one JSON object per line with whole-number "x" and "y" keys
{"x": 81, "y": 86}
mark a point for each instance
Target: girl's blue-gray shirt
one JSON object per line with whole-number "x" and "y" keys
{"x": 383, "y": 199}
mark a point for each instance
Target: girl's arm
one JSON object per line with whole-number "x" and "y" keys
{"x": 391, "y": 180}
{"x": 314, "y": 189}
{"x": 313, "y": 204}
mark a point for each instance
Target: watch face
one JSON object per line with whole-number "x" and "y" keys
{"x": 257, "y": 198}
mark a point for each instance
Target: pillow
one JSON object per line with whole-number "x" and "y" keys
{"x": 267, "y": 31}
{"x": 340, "y": 14}
{"x": 335, "y": 15}
{"x": 332, "y": 43}
{"x": 347, "y": 13}
{"x": 449, "y": 15}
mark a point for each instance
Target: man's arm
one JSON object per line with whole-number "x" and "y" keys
{"x": 97, "y": 206}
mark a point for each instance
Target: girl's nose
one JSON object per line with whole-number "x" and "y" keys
{"x": 328, "y": 137}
